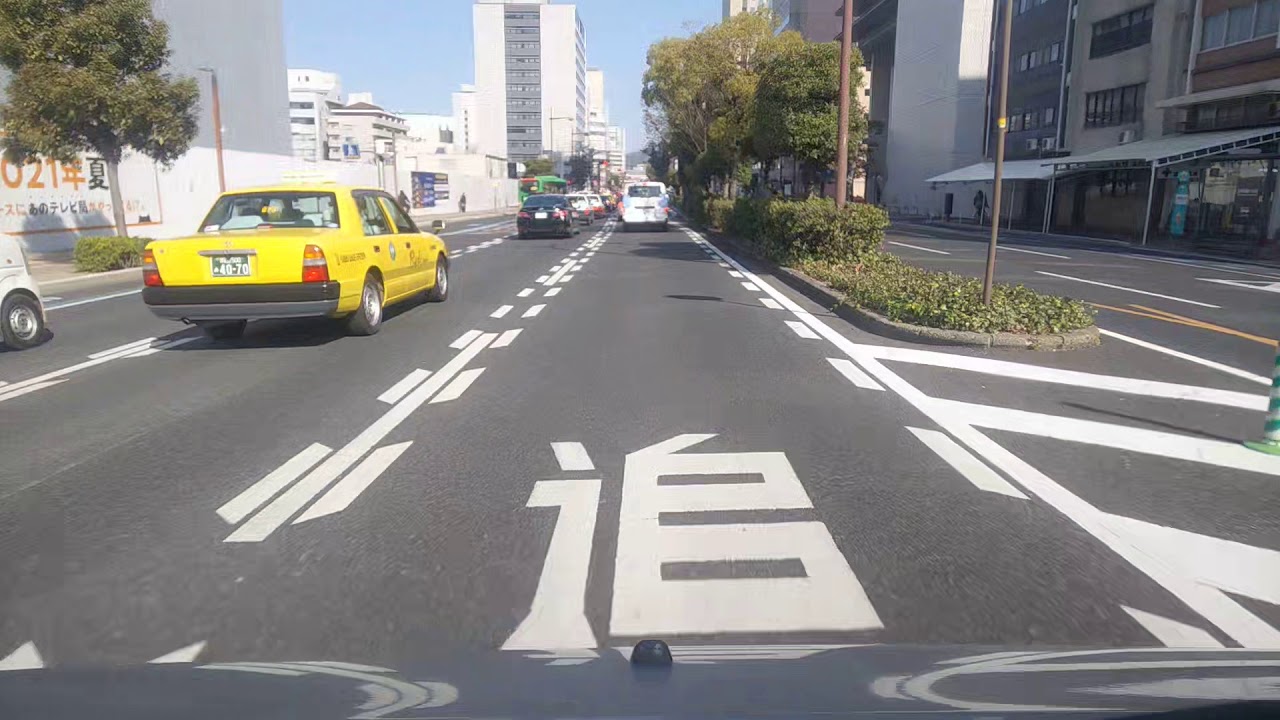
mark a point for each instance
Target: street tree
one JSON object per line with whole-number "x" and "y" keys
{"x": 581, "y": 166}
{"x": 797, "y": 108}
{"x": 90, "y": 76}
{"x": 539, "y": 166}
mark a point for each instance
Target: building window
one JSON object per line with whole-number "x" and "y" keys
{"x": 1049, "y": 114}
{"x": 1015, "y": 122}
{"x": 1240, "y": 24}
{"x": 301, "y": 105}
{"x": 1032, "y": 144}
{"x": 1121, "y": 32}
{"x": 1055, "y": 52}
{"x": 1117, "y": 106}
{"x": 1049, "y": 143}
{"x": 1029, "y": 121}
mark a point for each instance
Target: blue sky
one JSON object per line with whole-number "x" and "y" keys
{"x": 411, "y": 54}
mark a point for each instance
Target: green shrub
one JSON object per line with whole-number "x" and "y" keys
{"x": 719, "y": 213}
{"x": 100, "y": 254}
{"x": 813, "y": 228}
{"x": 883, "y": 283}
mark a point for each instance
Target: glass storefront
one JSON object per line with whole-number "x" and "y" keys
{"x": 1223, "y": 204}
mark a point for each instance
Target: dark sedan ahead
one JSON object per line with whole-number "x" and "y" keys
{"x": 546, "y": 215}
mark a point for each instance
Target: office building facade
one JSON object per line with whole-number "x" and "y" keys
{"x": 815, "y": 20}
{"x": 312, "y": 94}
{"x": 531, "y": 78}
{"x": 729, "y": 8}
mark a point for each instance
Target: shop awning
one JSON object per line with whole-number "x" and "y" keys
{"x": 1261, "y": 87}
{"x": 1169, "y": 149}
{"x": 986, "y": 172}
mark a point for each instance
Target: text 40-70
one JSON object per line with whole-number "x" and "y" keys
{"x": 41, "y": 175}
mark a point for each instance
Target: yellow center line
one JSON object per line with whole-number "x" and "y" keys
{"x": 1169, "y": 317}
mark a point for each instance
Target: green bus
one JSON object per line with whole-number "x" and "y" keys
{"x": 542, "y": 185}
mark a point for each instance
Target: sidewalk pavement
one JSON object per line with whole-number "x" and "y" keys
{"x": 1108, "y": 244}
{"x": 426, "y": 215}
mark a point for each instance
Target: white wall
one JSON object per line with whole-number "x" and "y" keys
{"x": 482, "y": 178}
{"x": 489, "y": 37}
{"x": 563, "y": 78}
{"x": 937, "y": 98}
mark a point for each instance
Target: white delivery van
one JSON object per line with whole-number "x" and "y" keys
{"x": 21, "y": 309}
{"x": 645, "y": 204}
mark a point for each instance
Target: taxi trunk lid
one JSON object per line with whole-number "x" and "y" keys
{"x": 259, "y": 257}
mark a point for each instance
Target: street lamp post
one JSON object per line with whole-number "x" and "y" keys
{"x": 842, "y": 138}
{"x": 217, "y": 125}
{"x": 1002, "y": 128}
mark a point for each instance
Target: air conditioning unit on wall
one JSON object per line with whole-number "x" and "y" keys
{"x": 1128, "y": 136}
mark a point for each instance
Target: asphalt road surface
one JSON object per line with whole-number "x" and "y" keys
{"x": 623, "y": 435}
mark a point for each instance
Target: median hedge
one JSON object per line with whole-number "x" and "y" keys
{"x": 100, "y": 254}
{"x": 841, "y": 247}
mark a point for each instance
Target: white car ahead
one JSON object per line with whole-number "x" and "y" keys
{"x": 21, "y": 309}
{"x": 645, "y": 203}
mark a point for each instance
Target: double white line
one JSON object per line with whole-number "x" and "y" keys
{"x": 138, "y": 348}
{"x": 341, "y": 495}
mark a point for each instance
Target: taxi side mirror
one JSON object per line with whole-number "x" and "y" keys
{"x": 437, "y": 226}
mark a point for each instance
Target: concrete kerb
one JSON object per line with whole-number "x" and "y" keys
{"x": 877, "y": 324}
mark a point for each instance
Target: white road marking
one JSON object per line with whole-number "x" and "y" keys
{"x": 590, "y": 254}
{"x": 502, "y": 311}
{"x": 525, "y": 293}
{"x": 26, "y": 657}
{"x": 1190, "y": 358}
{"x": 552, "y": 292}
{"x": 3, "y": 383}
{"x": 802, "y": 330}
{"x": 917, "y": 247}
{"x": 1171, "y": 632}
{"x": 239, "y": 507}
{"x": 1127, "y": 289}
{"x": 573, "y": 254}
{"x": 566, "y": 278}
{"x": 1202, "y": 266}
{"x": 12, "y": 392}
{"x": 345, "y": 491}
{"x": 135, "y": 345}
{"x": 572, "y": 456}
{"x": 555, "y": 268}
{"x": 159, "y": 348}
{"x": 735, "y": 273}
{"x": 465, "y": 339}
{"x": 396, "y": 392}
{"x": 854, "y": 374}
{"x": 557, "y": 618}
{"x": 557, "y": 275}
{"x": 454, "y": 390}
{"x": 258, "y": 527}
{"x": 181, "y": 655}
{"x": 751, "y": 286}
{"x": 476, "y": 229}
{"x": 541, "y": 278}
{"x": 1033, "y": 252}
{"x": 86, "y": 301}
{"x": 828, "y": 598}
{"x": 973, "y": 469}
{"x": 1209, "y": 601}
{"x": 1247, "y": 284}
{"x": 723, "y": 264}
{"x": 533, "y": 311}
{"x": 770, "y": 303}
{"x": 506, "y": 338}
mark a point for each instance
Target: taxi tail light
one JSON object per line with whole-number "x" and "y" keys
{"x": 150, "y": 273}
{"x": 314, "y": 266}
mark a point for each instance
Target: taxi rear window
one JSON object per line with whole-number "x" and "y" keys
{"x": 268, "y": 211}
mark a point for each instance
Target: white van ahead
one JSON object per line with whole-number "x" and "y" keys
{"x": 645, "y": 203}
{"x": 21, "y": 309}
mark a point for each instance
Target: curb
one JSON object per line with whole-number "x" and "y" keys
{"x": 877, "y": 324}
{"x": 87, "y": 278}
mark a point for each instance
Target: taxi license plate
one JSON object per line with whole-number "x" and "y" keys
{"x": 540, "y": 216}
{"x": 224, "y": 266}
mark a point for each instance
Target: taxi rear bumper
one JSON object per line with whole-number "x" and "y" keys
{"x": 243, "y": 302}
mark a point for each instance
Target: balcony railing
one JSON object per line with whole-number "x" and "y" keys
{"x": 1120, "y": 39}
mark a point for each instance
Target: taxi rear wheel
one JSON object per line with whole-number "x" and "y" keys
{"x": 440, "y": 291}
{"x": 367, "y": 319}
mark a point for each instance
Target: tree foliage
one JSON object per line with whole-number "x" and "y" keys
{"x": 89, "y": 76}
{"x": 539, "y": 166}
{"x": 581, "y": 167}
{"x": 797, "y": 106}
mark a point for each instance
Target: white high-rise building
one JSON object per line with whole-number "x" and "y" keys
{"x": 531, "y": 79}
{"x": 312, "y": 93}
{"x": 597, "y": 115}
{"x": 733, "y": 7}
{"x": 617, "y": 149}
{"x": 464, "y": 120}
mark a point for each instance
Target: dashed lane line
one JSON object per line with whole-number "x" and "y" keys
{"x": 501, "y": 312}
{"x": 533, "y": 311}
{"x": 1128, "y": 289}
{"x": 964, "y": 462}
{"x": 917, "y": 247}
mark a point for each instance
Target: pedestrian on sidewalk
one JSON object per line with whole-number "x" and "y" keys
{"x": 462, "y": 203}
{"x": 980, "y": 206}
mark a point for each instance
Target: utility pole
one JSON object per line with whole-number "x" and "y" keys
{"x": 842, "y": 141}
{"x": 1002, "y": 128}
{"x": 217, "y": 125}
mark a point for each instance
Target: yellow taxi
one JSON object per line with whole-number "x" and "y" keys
{"x": 292, "y": 251}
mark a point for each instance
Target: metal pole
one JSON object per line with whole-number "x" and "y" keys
{"x": 1013, "y": 202}
{"x": 1151, "y": 193}
{"x": 1270, "y": 442}
{"x": 217, "y": 125}
{"x": 1002, "y": 128}
{"x": 842, "y": 136}
{"x": 1048, "y": 204}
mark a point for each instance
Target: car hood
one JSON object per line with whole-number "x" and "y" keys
{"x": 718, "y": 680}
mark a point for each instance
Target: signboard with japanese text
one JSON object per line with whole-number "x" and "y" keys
{"x": 429, "y": 188}
{"x": 51, "y": 196}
